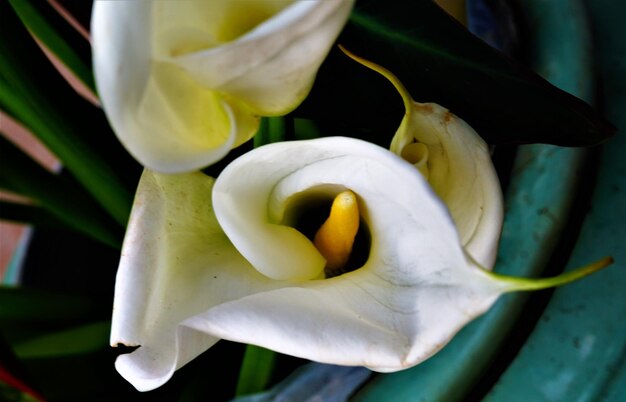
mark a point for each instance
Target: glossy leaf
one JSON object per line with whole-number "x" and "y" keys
{"x": 63, "y": 198}
{"x": 439, "y": 61}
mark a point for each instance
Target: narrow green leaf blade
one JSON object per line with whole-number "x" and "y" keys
{"x": 74, "y": 341}
{"x": 67, "y": 202}
{"x": 34, "y": 306}
{"x": 256, "y": 370}
{"x": 29, "y": 214}
{"x": 66, "y": 44}
{"x": 274, "y": 129}
{"x": 39, "y": 98}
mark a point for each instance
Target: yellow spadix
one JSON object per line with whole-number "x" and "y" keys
{"x": 335, "y": 237}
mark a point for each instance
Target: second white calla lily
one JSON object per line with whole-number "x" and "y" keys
{"x": 456, "y": 162}
{"x": 194, "y": 271}
{"x": 184, "y": 82}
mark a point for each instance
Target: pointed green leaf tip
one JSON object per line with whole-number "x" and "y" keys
{"x": 515, "y": 284}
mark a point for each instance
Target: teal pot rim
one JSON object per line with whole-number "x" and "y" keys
{"x": 576, "y": 350}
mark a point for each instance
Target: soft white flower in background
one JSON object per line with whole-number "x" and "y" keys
{"x": 184, "y": 82}
{"x": 456, "y": 162}
{"x": 193, "y": 272}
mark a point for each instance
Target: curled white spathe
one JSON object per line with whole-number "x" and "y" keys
{"x": 184, "y": 82}
{"x": 192, "y": 273}
{"x": 457, "y": 164}
{"x": 459, "y": 169}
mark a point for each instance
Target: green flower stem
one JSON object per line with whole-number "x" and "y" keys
{"x": 273, "y": 129}
{"x": 305, "y": 129}
{"x": 262, "y": 135}
{"x": 277, "y": 129}
{"x": 256, "y": 370}
{"x": 515, "y": 284}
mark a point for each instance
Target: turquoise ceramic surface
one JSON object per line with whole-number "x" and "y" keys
{"x": 577, "y": 351}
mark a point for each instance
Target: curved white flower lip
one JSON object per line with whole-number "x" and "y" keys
{"x": 180, "y": 112}
{"x": 183, "y": 283}
{"x": 461, "y": 173}
{"x": 296, "y": 55}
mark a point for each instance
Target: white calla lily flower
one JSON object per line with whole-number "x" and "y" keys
{"x": 194, "y": 271}
{"x": 456, "y": 162}
{"x": 184, "y": 82}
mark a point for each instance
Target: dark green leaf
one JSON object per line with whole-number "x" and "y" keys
{"x": 256, "y": 370}
{"x": 306, "y": 129}
{"x": 56, "y": 34}
{"x": 74, "y": 341}
{"x": 67, "y": 202}
{"x": 29, "y": 214}
{"x": 13, "y": 376}
{"x": 10, "y": 394}
{"x": 439, "y": 61}
{"x": 273, "y": 129}
{"x": 33, "y": 93}
{"x": 31, "y": 306}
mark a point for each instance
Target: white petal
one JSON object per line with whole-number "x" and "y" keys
{"x": 164, "y": 118}
{"x": 461, "y": 173}
{"x": 176, "y": 263}
{"x": 184, "y": 82}
{"x": 271, "y": 68}
{"x": 415, "y": 291}
{"x": 182, "y": 285}
{"x": 352, "y": 321}
{"x": 456, "y": 163}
